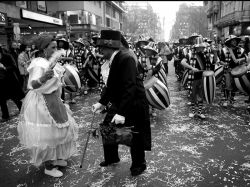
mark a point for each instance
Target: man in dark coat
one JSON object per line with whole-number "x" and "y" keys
{"x": 11, "y": 88}
{"x": 125, "y": 95}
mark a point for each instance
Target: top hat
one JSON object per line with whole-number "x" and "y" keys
{"x": 110, "y": 39}
{"x": 230, "y": 38}
{"x": 151, "y": 46}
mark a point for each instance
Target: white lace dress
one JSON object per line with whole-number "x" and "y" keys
{"x": 46, "y": 126}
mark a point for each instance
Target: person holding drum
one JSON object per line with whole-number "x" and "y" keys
{"x": 46, "y": 127}
{"x": 126, "y": 100}
{"x": 67, "y": 58}
{"x": 232, "y": 55}
{"x": 196, "y": 64}
{"x": 153, "y": 65}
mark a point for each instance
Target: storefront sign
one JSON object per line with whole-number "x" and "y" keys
{"x": 40, "y": 17}
{"x": 3, "y": 19}
{"x": 41, "y": 5}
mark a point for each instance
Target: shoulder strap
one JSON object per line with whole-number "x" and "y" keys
{"x": 232, "y": 54}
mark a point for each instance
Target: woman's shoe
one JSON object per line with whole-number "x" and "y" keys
{"x": 62, "y": 163}
{"x": 53, "y": 172}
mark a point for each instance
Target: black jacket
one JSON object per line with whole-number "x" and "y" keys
{"x": 126, "y": 93}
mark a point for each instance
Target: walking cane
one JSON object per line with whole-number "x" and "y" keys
{"x": 87, "y": 141}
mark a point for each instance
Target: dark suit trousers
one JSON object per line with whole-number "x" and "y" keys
{"x": 137, "y": 151}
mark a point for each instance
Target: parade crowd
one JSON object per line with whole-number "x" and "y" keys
{"x": 131, "y": 78}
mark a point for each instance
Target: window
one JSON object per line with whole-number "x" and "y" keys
{"x": 114, "y": 13}
{"x": 108, "y": 24}
{"x": 98, "y": 20}
{"x": 100, "y": 4}
{"x": 108, "y": 10}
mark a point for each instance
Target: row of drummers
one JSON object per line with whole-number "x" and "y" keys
{"x": 88, "y": 69}
{"x": 226, "y": 67}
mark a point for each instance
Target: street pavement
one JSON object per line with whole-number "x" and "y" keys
{"x": 186, "y": 152}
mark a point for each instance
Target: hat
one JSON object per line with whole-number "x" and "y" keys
{"x": 110, "y": 39}
{"x": 62, "y": 39}
{"x": 43, "y": 40}
{"x": 199, "y": 42}
{"x": 151, "y": 46}
{"x": 82, "y": 41}
{"x": 141, "y": 42}
{"x": 124, "y": 42}
{"x": 191, "y": 39}
{"x": 230, "y": 38}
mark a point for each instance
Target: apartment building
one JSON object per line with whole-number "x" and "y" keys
{"x": 21, "y": 19}
{"x": 228, "y": 17}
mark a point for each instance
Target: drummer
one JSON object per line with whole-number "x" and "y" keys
{"x": 232, "y": 55}
{"x": 67, "y": 58}
{"x": 153, "y": 65}
{"x": 196, "y": 65}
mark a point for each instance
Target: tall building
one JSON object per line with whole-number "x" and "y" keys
{"x": 21, "y": 19}
{"x": 228, "y": 17}
{"x": 189, "y": 20}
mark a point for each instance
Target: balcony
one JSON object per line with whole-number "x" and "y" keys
{"x": 226, "y": 20}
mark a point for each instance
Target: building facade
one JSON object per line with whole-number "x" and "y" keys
{"x": 228, "y": 17}
{"x": 20, "y": 20}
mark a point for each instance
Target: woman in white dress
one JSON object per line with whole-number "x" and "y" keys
{"x": 46, "y": 126}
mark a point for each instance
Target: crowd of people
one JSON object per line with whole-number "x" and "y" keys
{"x": 228, "y": 61}
{"x": 131, "y": 78}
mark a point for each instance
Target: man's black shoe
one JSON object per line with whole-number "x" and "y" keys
{"x": 138, "y": 170}
{"x": 104, "y": 163}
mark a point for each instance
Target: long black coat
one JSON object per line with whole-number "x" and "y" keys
{"x": 9, "y": 83}
{"x": 126, "y": 93}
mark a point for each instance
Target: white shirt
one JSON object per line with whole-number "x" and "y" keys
{"x": 106, "y": 67}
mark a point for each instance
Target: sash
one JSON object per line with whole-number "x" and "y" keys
{"x": 56, "y": 107}
{"x": 201, "y": 64}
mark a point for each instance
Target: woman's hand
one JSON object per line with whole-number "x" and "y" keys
{"x": 48, "y": 75}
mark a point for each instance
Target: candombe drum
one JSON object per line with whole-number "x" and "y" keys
{"x": 185, "y": 77}
{"x": 157, "y": 93}
{"x": 209, "y": 85}
{"x": 161, "y": 75}
{"x": 241, "y": 78}
{"x": 218, "y": 73}
{"x": 71, "y": 79}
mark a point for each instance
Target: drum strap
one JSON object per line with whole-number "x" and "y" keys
{"x": 200, "y": 62}
{"x": 232, "y": 54}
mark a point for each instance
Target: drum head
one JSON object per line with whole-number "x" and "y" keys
{"x": 207, "y": 73}
{"x": 239, "y": 70}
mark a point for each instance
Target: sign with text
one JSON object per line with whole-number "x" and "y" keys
{"x": 3, "y": 19}
{"x": 40, "y": 17}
